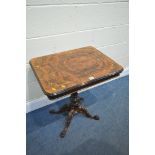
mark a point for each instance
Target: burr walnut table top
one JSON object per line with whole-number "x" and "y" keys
{"x": 66, "y": 72}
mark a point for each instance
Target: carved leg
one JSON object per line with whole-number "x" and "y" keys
{"x": 84, "y": 111}
{"x": 62, "y": 109}
{"x": 67, "y": 123}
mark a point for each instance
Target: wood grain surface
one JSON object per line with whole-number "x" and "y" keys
{"x": 72, "y": 69}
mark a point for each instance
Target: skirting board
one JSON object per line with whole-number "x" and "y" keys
{"x": 43, "y": 101}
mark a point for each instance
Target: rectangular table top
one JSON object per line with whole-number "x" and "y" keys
{"x": 66, "y": 72}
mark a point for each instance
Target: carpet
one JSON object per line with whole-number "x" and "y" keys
{"x": 108, "y": 136}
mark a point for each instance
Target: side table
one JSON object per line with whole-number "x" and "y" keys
{"x": 70, "y": 71}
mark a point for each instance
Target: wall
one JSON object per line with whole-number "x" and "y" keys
{"x": 57, "y": 25}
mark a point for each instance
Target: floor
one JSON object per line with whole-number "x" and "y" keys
{"x": 108, "y": 136}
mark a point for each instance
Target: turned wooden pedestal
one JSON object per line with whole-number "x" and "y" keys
{"x": 74, "y": 107}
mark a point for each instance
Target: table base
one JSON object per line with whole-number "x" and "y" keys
{"x": 74, "y": 107}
